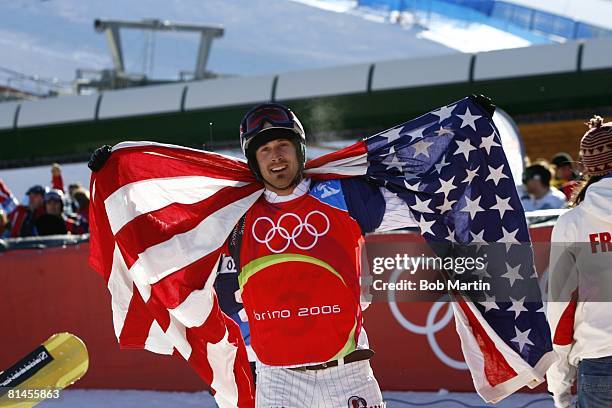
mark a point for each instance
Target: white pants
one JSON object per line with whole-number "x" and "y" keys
{"x": 350, "y": 385}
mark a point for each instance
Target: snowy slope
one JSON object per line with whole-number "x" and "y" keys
{"x": 53, "y": 38}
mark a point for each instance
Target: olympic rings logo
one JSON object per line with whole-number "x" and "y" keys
{"x": 431, "y": 326}
{"x": 291, "y": 237}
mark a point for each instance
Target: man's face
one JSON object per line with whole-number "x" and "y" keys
{"x": 53, "y": 207}
{"x": 35, "y": 201}
{"x": 563, "y": 172}
{"x": 534, "y": 186}
{"x": 278, "y": 165}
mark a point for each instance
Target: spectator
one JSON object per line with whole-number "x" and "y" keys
{"x": 81, "y": 198}
{"x": 74, "y": 205}
{"x": 57, "y": 182}
{"x": 580, "y": 277}
{"x": 23, "y": 218}
{"x": 539, "y": 194}
{"x": 55, "y": 221}
{"x": 565, "y": 174}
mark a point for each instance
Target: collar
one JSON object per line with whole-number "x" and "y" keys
{"x": 299, "y": 190}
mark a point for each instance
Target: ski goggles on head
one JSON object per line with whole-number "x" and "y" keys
{"x": 274, "y": 114}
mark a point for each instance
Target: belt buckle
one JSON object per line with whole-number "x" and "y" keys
{"x": 324, "y": 365}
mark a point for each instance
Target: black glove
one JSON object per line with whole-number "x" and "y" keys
{"x": 485, "y": 103}
{"x": 99, "y": 157}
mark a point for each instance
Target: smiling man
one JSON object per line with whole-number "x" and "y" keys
{"x": 298, "y": 272}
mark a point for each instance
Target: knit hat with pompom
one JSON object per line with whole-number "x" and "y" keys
{"x": 596, "y": 147}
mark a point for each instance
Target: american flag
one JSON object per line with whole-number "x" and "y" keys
{"x": 160, "y": 215}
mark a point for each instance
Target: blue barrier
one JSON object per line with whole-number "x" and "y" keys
{"x": 500, "y": 14}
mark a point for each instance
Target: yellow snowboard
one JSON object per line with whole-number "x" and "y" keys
{"x": 56, "y": 364}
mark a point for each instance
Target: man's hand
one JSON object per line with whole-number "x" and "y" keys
{"x": 99, "y": 157}
{"x": 56, "y": 170}
{"x": 485, "y": 103}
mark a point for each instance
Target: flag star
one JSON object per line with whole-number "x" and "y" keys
{"x": 422, "y": 206}
{"x": 441, "y": 165}
{"x": 446, "y": 186}
{"x": 421, "y": 147}
{"x": 425, "y": 226}
{"x": 444, "y": 131}
{"x": 450, "y": 236}
{"x": 517, "y": 307}
{"x": 496, "y": 174}
{"x": 488, "y": 142}
{"x": 444, "y": 112}
{"x": 464, "y": 147}
{"x": 394, "y": 162}
{"x": 502, "y": 205}
{"x": 508, "y": 236}
{"x": 393, "y": 134}
{"x": 513, "y": 273}
{"x": 521, "y": 338}
{"x": 489, "y": 303}
{"x": 541, "y": 309}
{"x": 470, "y": 175}
{"x": 478, "y": 239}
{"x": 468, "y": 119}
{"x": 472, "y": 206}
{"x": 412, "y": 187}
{"x": 446, "y": 206}
{"x": 419, "y": 132}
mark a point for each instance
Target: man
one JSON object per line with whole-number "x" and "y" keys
{"x": 565, "y": 176}
{"x": 54, "y": 221}
{"x": 539, "y": 195}
{"x": 309, "y": 335}
{"x": 23, "y": 218}
{"x": 305, "y": 231}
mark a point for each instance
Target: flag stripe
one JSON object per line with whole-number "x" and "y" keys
{"x": 174, "y": 289}
{"x": 195, "y": 309}
{"x": 496, "y": 368}
{"x": 156, "y": 227}
{"x": 160, "y": 260}
{"x": 141, "y": 197}
{"x": 120, "y": 286}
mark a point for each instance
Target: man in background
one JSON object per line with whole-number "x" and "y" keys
{"x": 55, "y": 221}
{"x": 539, "y": 195}
{"x": 565, "y": 174}
{"x": 23, "y": 218}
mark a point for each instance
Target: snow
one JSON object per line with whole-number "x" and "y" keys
{"x": 473, "y": 38}
{"x": 157, "y": 399}
{"x": 261, "y": 36}
{"x": 457, "y": 34}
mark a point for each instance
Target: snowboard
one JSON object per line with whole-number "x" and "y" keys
{"x": 42, "y": 374}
